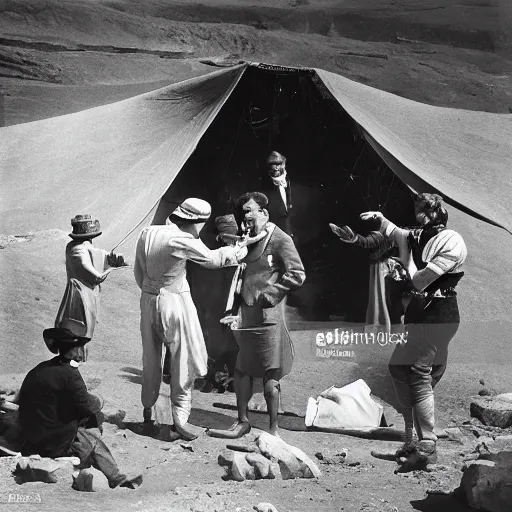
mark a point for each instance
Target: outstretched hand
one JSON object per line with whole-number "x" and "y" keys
{"x": 371, "y": 215}
{"x": 344, "y": 233}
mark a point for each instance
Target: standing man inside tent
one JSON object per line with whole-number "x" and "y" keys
{"x": 273, "y": 268}
{"x": 279, "y": 192}
{"x": 168, "y": 314}
{"x": 296, "y": 209}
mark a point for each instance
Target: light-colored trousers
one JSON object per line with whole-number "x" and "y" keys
{"x": 171, "y": 318}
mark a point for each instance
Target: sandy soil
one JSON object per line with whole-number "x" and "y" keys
{"x": 58, "y": 57}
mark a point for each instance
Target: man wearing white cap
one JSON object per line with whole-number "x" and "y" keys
{"x": 168, "y": 314}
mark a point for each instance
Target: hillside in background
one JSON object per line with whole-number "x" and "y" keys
{"x": 59, "y": 56}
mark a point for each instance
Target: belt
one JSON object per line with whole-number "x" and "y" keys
{"x": 441, "y": 293}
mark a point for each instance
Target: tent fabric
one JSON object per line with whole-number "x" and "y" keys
{"x": 117, "y": 161}
{"x": 464, "y": 155}
{"x": 114, "y": 161}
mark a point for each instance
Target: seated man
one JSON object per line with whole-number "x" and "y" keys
{"x": 55, "y": 407}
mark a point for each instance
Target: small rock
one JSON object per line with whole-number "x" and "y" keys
{"x": 454, "y": 434}
{"x": 265, "y": 507}
{"x": 32, "y": 469}
{"x": 505, "y": 396}
{"x": 263, "y": 468}
{"x": 493, "y": 411}
{"x": 487, "y": 484}
{"x": 89, "y": 480}
{"x": 114, "y": 416}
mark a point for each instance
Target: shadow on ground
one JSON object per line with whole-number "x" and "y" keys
{"x": 442, "y": 503}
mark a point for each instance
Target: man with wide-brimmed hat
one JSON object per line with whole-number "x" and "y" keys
{"x": 55, "y": 407}
{"x": 86, "y": 267}
{"x": 168, "y": 313}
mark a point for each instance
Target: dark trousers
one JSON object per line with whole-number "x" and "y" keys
{"x": 418, "y": 365}
{"x": 92, "y": 451}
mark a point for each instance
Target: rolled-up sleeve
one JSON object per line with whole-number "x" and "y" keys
{"x": 401, "y": 239}
{"x": 446, "y": 252}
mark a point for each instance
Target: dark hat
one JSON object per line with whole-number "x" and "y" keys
{"x": 69, "y": 334}
{"x": 194, "y": 210}
{"x": 226, "y": 225}
{"x": 84, "y": 226}
{"x": 275, "y": 158}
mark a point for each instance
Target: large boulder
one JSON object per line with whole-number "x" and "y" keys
{"x": 494, "y": 411}
{"x": 487, "y": 482}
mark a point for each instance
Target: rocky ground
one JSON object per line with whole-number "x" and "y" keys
{"x": 185, "y": 476}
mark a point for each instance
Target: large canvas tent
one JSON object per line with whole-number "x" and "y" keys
{"x": 130, "y": 162}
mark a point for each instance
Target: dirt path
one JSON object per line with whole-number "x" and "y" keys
{"x": 182, "y": 476}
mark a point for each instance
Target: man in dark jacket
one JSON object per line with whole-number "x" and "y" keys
{"x": 279, "y": 192}
{"x": 55, "y": 407}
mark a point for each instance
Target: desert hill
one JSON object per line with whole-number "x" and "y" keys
{"x": 459, "y": 53}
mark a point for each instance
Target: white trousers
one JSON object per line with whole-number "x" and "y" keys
{"x": 171, "y": 319}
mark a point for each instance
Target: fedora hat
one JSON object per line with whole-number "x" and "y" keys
{"x": 193, "y": 210}
{"x": 69, "y": 334}
{"x": 84, "y": 226}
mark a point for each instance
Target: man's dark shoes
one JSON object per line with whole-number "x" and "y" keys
{"x": 424, "y": 454}
{"x": 132, "y": 483}
{"x": 404, "y": 451}
{"x": 124, "y": 481}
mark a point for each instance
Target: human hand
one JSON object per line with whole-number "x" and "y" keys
{"x": 116, "y": 260}
{"x": 240, "y": 252}
{"x": 344, "y": 233}
{"x": 233, "y": 321}
{"x": 371, "y": 215}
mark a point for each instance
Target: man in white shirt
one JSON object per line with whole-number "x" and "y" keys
{"x": 168, "y": 314}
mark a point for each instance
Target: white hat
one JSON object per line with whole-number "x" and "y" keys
{"x": 193, "y": 210}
